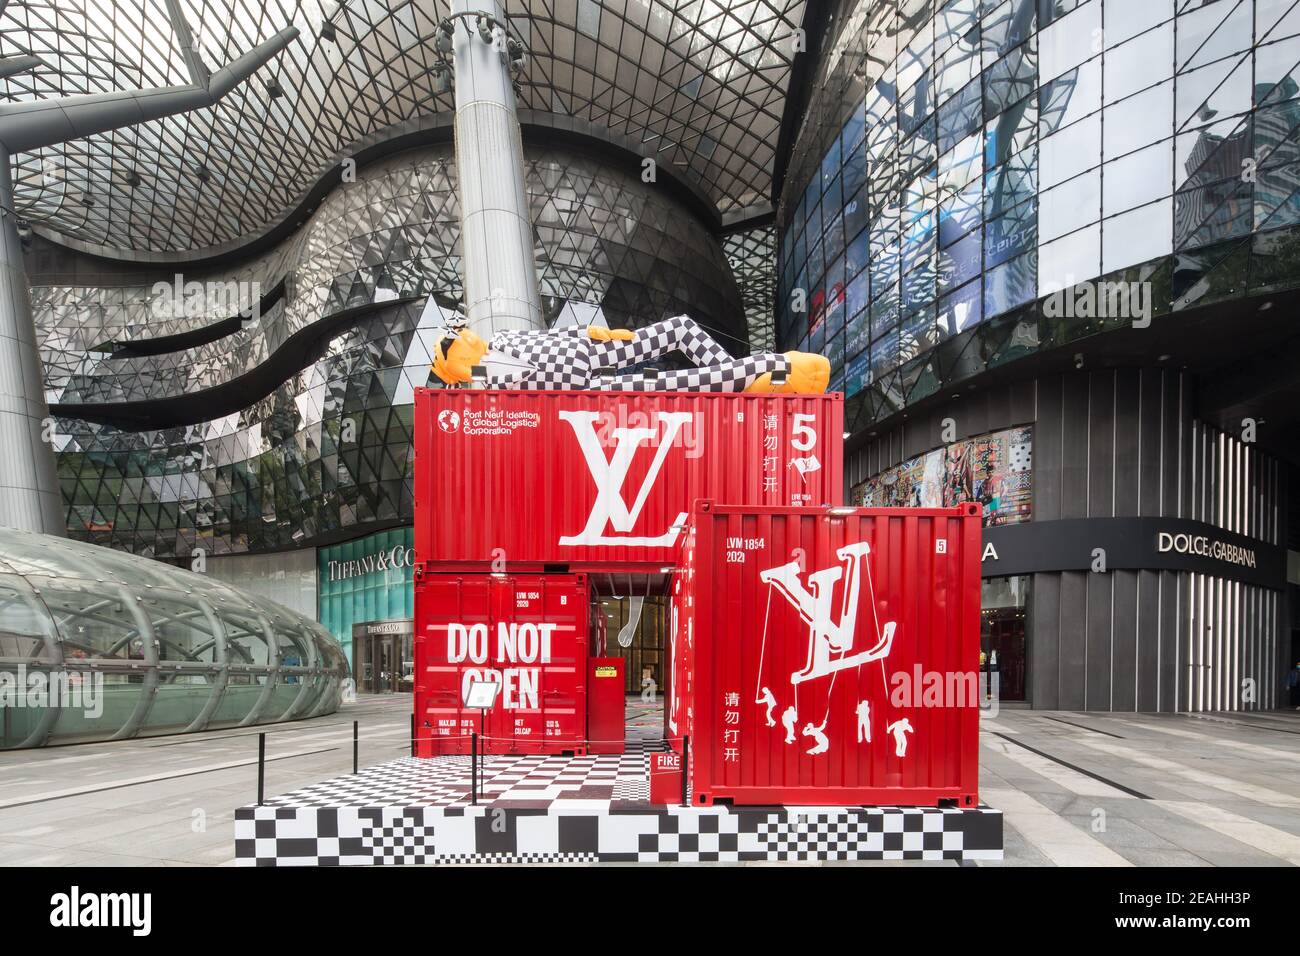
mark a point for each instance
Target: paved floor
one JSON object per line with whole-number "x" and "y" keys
{"x": 1076, "y": 789}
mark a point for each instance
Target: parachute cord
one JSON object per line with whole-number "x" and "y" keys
{"x": 762, "y": 648}
{"x": 830, "y": 695}
{"x": 871, "y": 587}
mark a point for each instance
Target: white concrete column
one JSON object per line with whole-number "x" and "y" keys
{"x": 29, "y": 487}
{"x": 498, "y": 271}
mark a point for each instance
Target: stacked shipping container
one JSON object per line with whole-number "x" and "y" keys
{"x": 828, "y": 657}
{"x": 603, "y": 481}
{"x": 539, "y": 485}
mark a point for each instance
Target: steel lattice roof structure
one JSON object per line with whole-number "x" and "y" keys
{"x": 698, "y": 85}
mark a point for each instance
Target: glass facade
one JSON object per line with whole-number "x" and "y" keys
{"x": 963, "y": 159}
{"x": 700, "y": 87}
{"x": 752, "y": 257}
{"x": 98, "y": 645}
{"x": 329, "y": 448}
{"x": 608, "y": 245}
{"x": 366, "y": 580}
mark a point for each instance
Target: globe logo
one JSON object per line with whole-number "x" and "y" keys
{"x": 448, "y": 420}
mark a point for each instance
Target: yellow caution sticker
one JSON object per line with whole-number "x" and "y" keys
{"x": 606, "y": 671}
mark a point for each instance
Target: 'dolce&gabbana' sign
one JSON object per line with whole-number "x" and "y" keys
{"x": 1149, "y": 543}
{"x": 1206, "y": 547}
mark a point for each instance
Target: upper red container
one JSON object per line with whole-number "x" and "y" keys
{"x": 604, "y": 480}
{"x": 530, "y": 632}
{"x": 828, "y": 658}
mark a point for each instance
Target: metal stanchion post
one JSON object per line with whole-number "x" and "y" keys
{"x": 473, "y": 769}
{"x": 354, "y": 745}
{"x": 686, "y": 764}
{"x": 261, "y": 767}
{"x": 412, "y": 735}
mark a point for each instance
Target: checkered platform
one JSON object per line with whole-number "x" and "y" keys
{"x": 505, "y": 781}
{"x": 623, "y": 832}
{"x": 555, "y": 810}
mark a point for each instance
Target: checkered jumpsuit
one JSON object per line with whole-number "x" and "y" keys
{"x": 568, "y": 359}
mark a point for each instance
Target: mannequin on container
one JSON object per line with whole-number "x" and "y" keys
{"x": 599, "y": 358}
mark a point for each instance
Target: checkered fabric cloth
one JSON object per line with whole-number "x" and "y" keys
{"x": 733, "y": 375}
{"x": 569, "y": 359}
{"x": 560, "y": 358}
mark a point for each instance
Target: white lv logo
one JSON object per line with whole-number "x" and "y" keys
{"x": 827, "y": 636}
{"x": 609, "y": 475}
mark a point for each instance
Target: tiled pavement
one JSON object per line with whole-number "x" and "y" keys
{"x": 1145, "y": 789}
{"x": 1076, "y": 789}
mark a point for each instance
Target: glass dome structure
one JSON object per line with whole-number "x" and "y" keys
{"x": 100, "y": 645}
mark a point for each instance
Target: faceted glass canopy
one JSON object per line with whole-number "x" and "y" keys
{"x": 699, "y": 87}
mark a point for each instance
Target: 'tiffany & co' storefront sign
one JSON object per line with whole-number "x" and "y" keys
{"x": 395, "y": 558}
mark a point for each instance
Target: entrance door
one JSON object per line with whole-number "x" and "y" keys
{"x": 384, "y": 672}
{"x": 382, "y": 658}
{"x": 1003, "y": 633}
{"x": 377, "y": 669}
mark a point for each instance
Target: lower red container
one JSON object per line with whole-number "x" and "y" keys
{"x": 529, "y": 632}
{"x": 828, "y": 656}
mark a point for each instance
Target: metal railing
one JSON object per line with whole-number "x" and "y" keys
{"x": 479, "y": 755}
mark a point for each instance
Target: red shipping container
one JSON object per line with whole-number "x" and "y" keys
{"x": 828, "y": 656}
{"x": 530, "y": 632}
{"x": 595, "y": 480}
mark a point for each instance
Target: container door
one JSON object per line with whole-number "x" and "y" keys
{"x": 515, "y": 720}
{"x": 446, "y": 610}
{"x": 538, "y": 620}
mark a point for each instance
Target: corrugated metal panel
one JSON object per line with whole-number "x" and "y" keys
{"x": 1232, "y": 645}
{"x": 604, "y": 480}
{"x": 832, "y": 658}
{"x": 528, "y": 632}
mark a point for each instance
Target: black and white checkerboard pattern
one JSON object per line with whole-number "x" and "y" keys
{"x": 577, "y": 810}
{"x": 733, "y": 375}
{"x": 620, "y": 832}
{"x": 568, "y": 358}
{"x": 505, "y": 781}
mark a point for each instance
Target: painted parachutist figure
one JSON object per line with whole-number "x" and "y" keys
{"x": 765, "y": 697}
{"x": 816, "y": 733}
{"x": 788, "y": 721}
{"x": 900, "y": 728}
{"x": 599, "y": 358}
{"x": 864, "y": 721}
